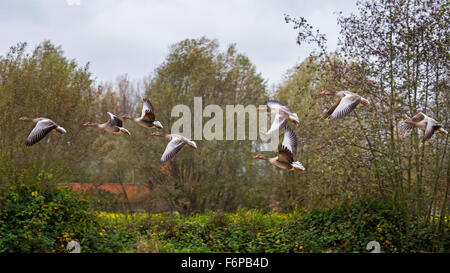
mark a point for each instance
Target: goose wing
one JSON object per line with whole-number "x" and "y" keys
{"x": 114, "y": 120}
{"x": 432, "y": 125}
{"x": 148, "y": 112}
{"x": 288, "y": 148}
{"x": 278, "y": 123}
{"x": 332, "y": 108}
{"x": 276, "y": 105}
{"x": 417, "y": 118}
{"x": 172, "y": 148}
{"x": 42, "y": 128}
{"x": 406, "y": 126}
{"x": 345, "y": 106}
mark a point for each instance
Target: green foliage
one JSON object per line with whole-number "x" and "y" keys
{"x": 350, "y": 226}
{"x": 112, "y": 234}
{"x": 42, "y": 219}
{"x": 345, "y": 228}
{"x": 37, "y": 219}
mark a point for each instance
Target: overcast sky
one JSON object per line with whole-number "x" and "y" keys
{"x": 133, "y": 36}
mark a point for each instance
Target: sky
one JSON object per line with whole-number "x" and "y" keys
{"x": 134, "y": 36}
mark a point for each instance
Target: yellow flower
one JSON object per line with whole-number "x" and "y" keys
{"x": 35, "y": 193}
{"x": 379, "y": 228}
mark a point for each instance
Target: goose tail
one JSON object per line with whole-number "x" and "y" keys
{"x": 298, "y": 166}
{"x": 125, "y": 131}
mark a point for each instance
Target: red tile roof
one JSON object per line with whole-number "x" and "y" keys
{"x": 135, "y": 192}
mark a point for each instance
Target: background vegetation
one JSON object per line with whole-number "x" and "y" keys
{"x": 394, "y": 53}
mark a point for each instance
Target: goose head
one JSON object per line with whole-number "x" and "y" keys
{"x": 327, "y": 93}
{"x": 90, "y": 124}
{"x": 407, "y": 121}
{"x": 24, "y": 118}
{"x": 263, "y": 109}
{"x": 260, "y": 156}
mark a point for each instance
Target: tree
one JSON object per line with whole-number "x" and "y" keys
{"x": 395, "y": 53}
{"x": 43, "y": 84}
{"x": 217, "y": 174}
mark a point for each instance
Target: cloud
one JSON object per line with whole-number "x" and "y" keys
{"x": 73, "y": 2}
{"x": 134, "y": 36}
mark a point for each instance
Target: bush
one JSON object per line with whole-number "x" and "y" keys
{"x": 114, "y": 233}
{"x": 350, "y": 226}
{"x": 345, "y": 228}
{"x": 43, "y": 219}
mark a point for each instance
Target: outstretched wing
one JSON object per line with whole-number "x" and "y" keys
{"x": 114, "y": 120}
{"x": 276, "y": 105}
{"x": 278, "y": 123}
{"x": 288, "y": 148}
{"x": 42, "y": 128}
{"x": 432, "y": 125}
{"x": 148, "y": 112}
{"x": 407, "y": 126}
{"x": 332, "y": 108}
{"x": 346, "y": 105}
{"x": 418, "y": 117}
{"x": 172, "y": 148}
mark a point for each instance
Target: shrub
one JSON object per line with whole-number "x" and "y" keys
{"x": 350, "y": 226}
{"x": 42, "y": 219}
{"x": 345, "y": 228}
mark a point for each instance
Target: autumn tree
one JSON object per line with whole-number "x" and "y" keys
{"x": 395, "y": 53}
{"x": 44, "y": 83}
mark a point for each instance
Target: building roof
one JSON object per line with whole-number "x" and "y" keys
{"x": 135, "y": 192}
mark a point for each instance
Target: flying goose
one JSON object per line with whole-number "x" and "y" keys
{"x": 286, "y": 153}
{"x": 41, "y": 129}
{"x": 424, "y": 122}
{"x": 113, "y": 125}
{"x": 347, "y": 102}
{"x": 176, "y": 143}
{"x": 147, "y": 118}
{"x": 282, "y": 115}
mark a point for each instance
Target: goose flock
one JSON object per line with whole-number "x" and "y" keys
{"x": 287, "y": 149}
